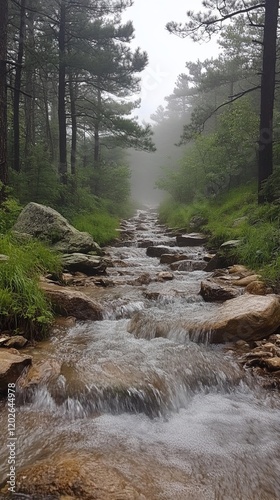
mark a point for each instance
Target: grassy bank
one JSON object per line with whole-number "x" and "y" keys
{"x": 236, "y": 215}
{"x": 24, "y": 307}
{"x": 100, "y": 225}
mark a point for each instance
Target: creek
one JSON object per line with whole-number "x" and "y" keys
{"x": 178, "y": 420}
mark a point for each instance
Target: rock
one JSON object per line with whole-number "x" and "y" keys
{"x": 188, "y": 265}
{"x": 145, "y": 243}
{"x": 241, "y": 343}
{"x": 275, "y": 339}
{"x": 39, "y": 373}
{"x": 76, "y": 476}
{"x": 191, "y": 240}
{"x": 219, "y": 261}
{"x": 231, "y": 244}
{"x": 72, "y": 303}
{"x": 246, "y": 281}
{"x": 47, "y": 224}
{"x": 242, "y": 271}
{"x": 158, "y": 251}
{"x": 165, "y": 276}
{"x": 4, "y": 338}
{"x": 88, "y": 264}
{"x": 214, "y": 290}
{"x": 170, "y": 258}
{"x": 17, "y": 341}
{"x": 197, "y": 222}
{"x": 209, "y": 256}
{"x": 238, "y": 222}
{"x": 11, "y": 367}
{"x": 258, "y": 288}
{"x": 4, "y": 258}
{"x": 248, "y": 317}
{"x": 272, "y": 364}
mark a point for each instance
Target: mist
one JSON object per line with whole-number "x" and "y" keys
{"x": 147, "y": 168}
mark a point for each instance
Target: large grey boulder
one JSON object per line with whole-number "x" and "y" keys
{"x": 47, "y": 224}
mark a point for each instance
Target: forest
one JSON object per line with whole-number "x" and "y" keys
{"x": 139, "y": 250}
{"x": 69, "y": 83}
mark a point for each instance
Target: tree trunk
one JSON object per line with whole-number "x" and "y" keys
{"x": 3, "y": 96}
{"x": 16, "y": 162}
{"x": 267, "y": 94}
{"x": 44, "y": 77}
{"x": 96, "y": 127}
{"x": 61, "y": 96}
{"x": 72, "y": 91}
{"x": 30, "y": 84}
{"x": 97, "y": 142}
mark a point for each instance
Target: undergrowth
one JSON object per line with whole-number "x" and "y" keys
{"x": 236, "y": 215}
{"x": 24, "y": 307}
{"x": 100, "y": 225}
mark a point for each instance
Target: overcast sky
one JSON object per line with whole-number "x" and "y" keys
{"x": 167, "y": 53}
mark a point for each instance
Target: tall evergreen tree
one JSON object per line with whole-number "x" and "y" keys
{"x": 3, "y": 95}
{"x": 209, "y": 22}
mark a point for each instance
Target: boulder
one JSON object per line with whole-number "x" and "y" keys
{"x": 11, "y": 367}
{"x": 72, "y": 303}
{"x": 88, "y": 264}
{"x": 47, "y": 224}
{"x": 215, "y": 290}
{"x": 248, "y": 317}
{"x": 158, "y": 251}
{"x": 191, "y": 240}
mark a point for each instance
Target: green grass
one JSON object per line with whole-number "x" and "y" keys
{"x": 236, "y": 215}
{"x": 23, "y": 305}
{"x": 100, "y": 225}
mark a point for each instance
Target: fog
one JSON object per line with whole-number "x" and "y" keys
{"x": 168, "y": 55}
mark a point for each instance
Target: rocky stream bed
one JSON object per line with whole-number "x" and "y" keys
{"x": 165, "y": 387}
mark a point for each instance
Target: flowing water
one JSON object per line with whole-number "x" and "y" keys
{"x": 178, "y": 419}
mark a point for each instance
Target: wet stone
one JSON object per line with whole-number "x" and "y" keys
{"x": 191, "y": 240}
{"x": 157, "y": 251}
